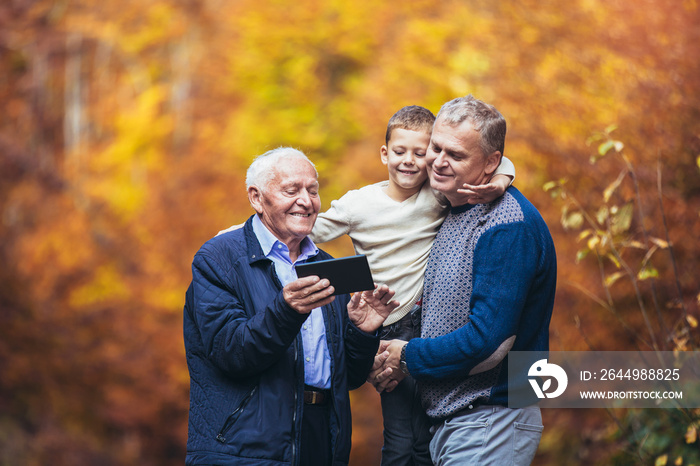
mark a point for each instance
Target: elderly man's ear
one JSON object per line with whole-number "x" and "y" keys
{"x": 492, "y": 162}
{"x": 255, "y": 198}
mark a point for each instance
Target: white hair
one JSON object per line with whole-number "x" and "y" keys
{"x": 262, "y": 170}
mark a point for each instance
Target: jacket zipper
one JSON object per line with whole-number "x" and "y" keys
{"x": 296, "y": 401}
{"x": 232, "y": 418}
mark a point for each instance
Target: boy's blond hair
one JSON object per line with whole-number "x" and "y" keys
{"x": 413, "y": 118}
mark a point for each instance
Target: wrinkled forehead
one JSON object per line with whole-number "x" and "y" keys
{"x": 294, "y": 170}
{"x": 455, "y": 135}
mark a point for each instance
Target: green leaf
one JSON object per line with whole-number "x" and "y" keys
{"x": 581, "y": 254}
{"x": 647, "y": 272}
{"x": 605, "y": 147}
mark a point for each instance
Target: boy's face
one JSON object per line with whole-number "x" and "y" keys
{"x": 405, "y": 158}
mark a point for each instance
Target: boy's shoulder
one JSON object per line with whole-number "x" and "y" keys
{"x": 364, "y": 191}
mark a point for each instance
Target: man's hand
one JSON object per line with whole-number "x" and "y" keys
{"x": 306, "y": 294}
{"x": 485, "y": 193}
{"x": 369, "y": 309}
{"x": 379, "y": 371}
{"x": 390, "y": 374}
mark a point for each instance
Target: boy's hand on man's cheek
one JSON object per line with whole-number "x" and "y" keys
{"x": 485, "y": 193}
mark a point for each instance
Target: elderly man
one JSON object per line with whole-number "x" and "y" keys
{"x": 272, "y": 357}
{"x": 489, "y": 289}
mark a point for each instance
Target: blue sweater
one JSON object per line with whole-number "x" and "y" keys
{"x": 489, "y": 288}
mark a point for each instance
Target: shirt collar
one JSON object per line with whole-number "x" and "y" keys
{"x": 268, "y": 241}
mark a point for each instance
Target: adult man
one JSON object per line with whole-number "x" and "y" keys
{"x": 489, "y": 289}
{"x": 271, "y": 357}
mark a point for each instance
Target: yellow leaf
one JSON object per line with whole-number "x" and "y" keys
{"x": 602, "y": 214}
{"x": 691, "y": 435}
{"x": 681, "y": 344}
{"x": 613, "y": 186}
{"x": 549, "y": 185}
{"x": 610, "y": 279}
{"x": 614, "y": 260}
{"x": 584, "y": 234}
{"x": 692, "y": 321}
{"x": 679, "y": 461}
{"x": 593, "y": 242}
{"x": 661, "y": 460}
{"x": 572, "y": 220}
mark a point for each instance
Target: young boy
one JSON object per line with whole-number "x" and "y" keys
{"x": 394, "y": 223}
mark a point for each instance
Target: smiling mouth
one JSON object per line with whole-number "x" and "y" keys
{"x": 300, "y": 215}
{"x": 405, "y": 172}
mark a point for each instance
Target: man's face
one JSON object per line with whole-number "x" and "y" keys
{"x": 404, "y": 156}
{"x": 455, "y": 157}
{"x": 289, "y": 204}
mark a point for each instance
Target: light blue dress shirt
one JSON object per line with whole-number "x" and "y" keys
{"x": 317, "y": 360}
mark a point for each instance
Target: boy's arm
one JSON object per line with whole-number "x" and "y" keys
{"x": 332, "y": 223}
{"x": 500, "y": 181}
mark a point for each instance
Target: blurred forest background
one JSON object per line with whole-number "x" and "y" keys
{"x": 126, "y": 128}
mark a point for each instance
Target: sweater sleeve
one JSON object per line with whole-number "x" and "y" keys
{"x": 507, "y": 168}
{"x": 504, "y": 269}
{"x": 333, "y": 223}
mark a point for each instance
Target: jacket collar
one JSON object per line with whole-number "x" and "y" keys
{"x": 258, "y": 248}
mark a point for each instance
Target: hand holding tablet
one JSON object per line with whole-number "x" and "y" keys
{"x": 346, "y": 274}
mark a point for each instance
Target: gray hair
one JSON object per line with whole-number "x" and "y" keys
{"x": 262, "y": 170}
{"x": 487, "y": 121}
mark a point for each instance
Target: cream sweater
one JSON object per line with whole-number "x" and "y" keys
{"x": 395, "y": 236}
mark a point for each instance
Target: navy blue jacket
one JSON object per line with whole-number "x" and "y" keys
{"x": 245, "y": 359}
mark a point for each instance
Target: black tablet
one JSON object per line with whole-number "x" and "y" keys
{"x": 346, "y": 274}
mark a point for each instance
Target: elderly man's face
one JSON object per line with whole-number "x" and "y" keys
{"x": 289, "y": 204}
{"x": 455, "y": 157}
